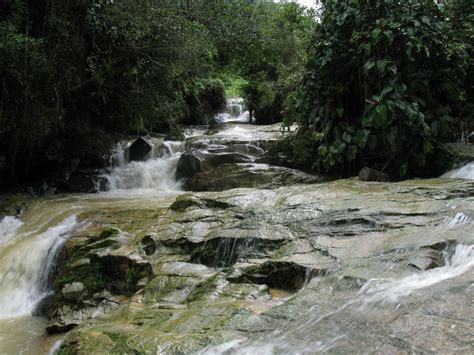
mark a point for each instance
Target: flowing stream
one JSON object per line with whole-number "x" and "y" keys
{"x": 464, "y": 172}
{"x": 28, "y": 249}
{"x": 157, "y": 172}
{"x": 376, "y": 299}
{"x": 30, "y": 244}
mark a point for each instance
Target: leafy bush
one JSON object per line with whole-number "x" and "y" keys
{"x": 382, "y": 78}
{"x": 460, "y": 17}
{"x": 206, "y": 98}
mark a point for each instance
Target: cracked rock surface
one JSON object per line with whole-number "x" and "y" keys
{"x": 300, "y": 268}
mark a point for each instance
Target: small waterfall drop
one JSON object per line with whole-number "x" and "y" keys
{"x": 464, "y": 172}
{"x": 235, "y": 111}
{"x": 26, "y": 261}
{"x": 156, "y": 172}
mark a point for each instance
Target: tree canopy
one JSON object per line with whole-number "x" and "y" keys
{"x": 378, "y": 83}
{"x": 74, "y": 71}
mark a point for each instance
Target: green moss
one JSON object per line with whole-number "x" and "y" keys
{"x": 90, "y": 275}
{"x": 66, "y": 349}
{"x": 109, "y": 232}
{"x": 203, "y": 289}
{"x": 132, "y": 276}
{"x": 86, "y": 250}
{"x": 162, "y": 285}
{"x": 183, "y": 202}
{"x": 131, "y": 221}
{"x": 122, "y": 344}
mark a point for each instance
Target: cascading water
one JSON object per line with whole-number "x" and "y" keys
{"x": 26, "y": 260}
{"x": 465, "y": 172}
{"x": 156, "y": 172}
{"x": 235, "y": 111}
{"x": 8, "y": 227}
{"x": 376, "y": 299}
{"x": 28, "y": 251}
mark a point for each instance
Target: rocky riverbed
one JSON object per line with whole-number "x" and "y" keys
{"x": 263, "y": 259}
{"x": 280, "y": 264}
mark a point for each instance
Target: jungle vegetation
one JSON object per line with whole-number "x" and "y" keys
{"x": 370, "y": 82}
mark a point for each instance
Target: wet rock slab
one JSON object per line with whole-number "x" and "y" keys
{"x": 305, "y": 267}
{"x": 231, "y": 156}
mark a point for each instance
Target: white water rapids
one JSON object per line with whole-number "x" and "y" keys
{"x": 156, "y": 172}
{"x": 26, "y": 262}
{"x": 377, "y": 298}
{"x": 235, "y": 112}
{"x": 464, "y": 172}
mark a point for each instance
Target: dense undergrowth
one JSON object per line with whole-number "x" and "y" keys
{"x": 387, "y": 82}
{"x": 74, "y": 72}
{"x": 370, "y": 82}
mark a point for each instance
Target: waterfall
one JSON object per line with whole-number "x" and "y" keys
{"x": 156, "y": 172}
{"x": 465, "y": 172}
{"x": 26, "y": 261}
{"x": 235, "y": 111}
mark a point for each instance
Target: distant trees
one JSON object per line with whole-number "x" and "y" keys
{"x": 71, "y": 71}
{"x": 74, "y": 70}
{"x": 272, "y": 57}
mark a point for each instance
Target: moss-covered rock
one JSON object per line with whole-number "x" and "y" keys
{"x": 244, "y": 265}
{"x": 90, "y": 269}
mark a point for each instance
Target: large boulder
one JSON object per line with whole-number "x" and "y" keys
{"x": 230, "y": 176}
{"x": 188, "y": 165}
{"x": 140, "y": 149}
{"x": 73, "y": 292}
{"x": 192, "y": 163}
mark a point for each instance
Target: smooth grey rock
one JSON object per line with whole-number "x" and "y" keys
{"x": 74, "y": 291}
{"x": 426, "y": 259}
{"x": 368, "y": 174}
{"x": 230, "y": 176}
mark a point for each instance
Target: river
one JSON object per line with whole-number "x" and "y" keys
{"x": 365, "y": 235}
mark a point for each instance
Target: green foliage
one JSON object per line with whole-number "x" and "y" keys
{"x": 381, "y": 83}
{"x": 273, "y": 58}
{"x": 74, "y": 70}
{"x": 206, "y": 99}
{"x": 233, "y": 83}
{"x": 460, "y": 17}
{"x": 74, "y": 73}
